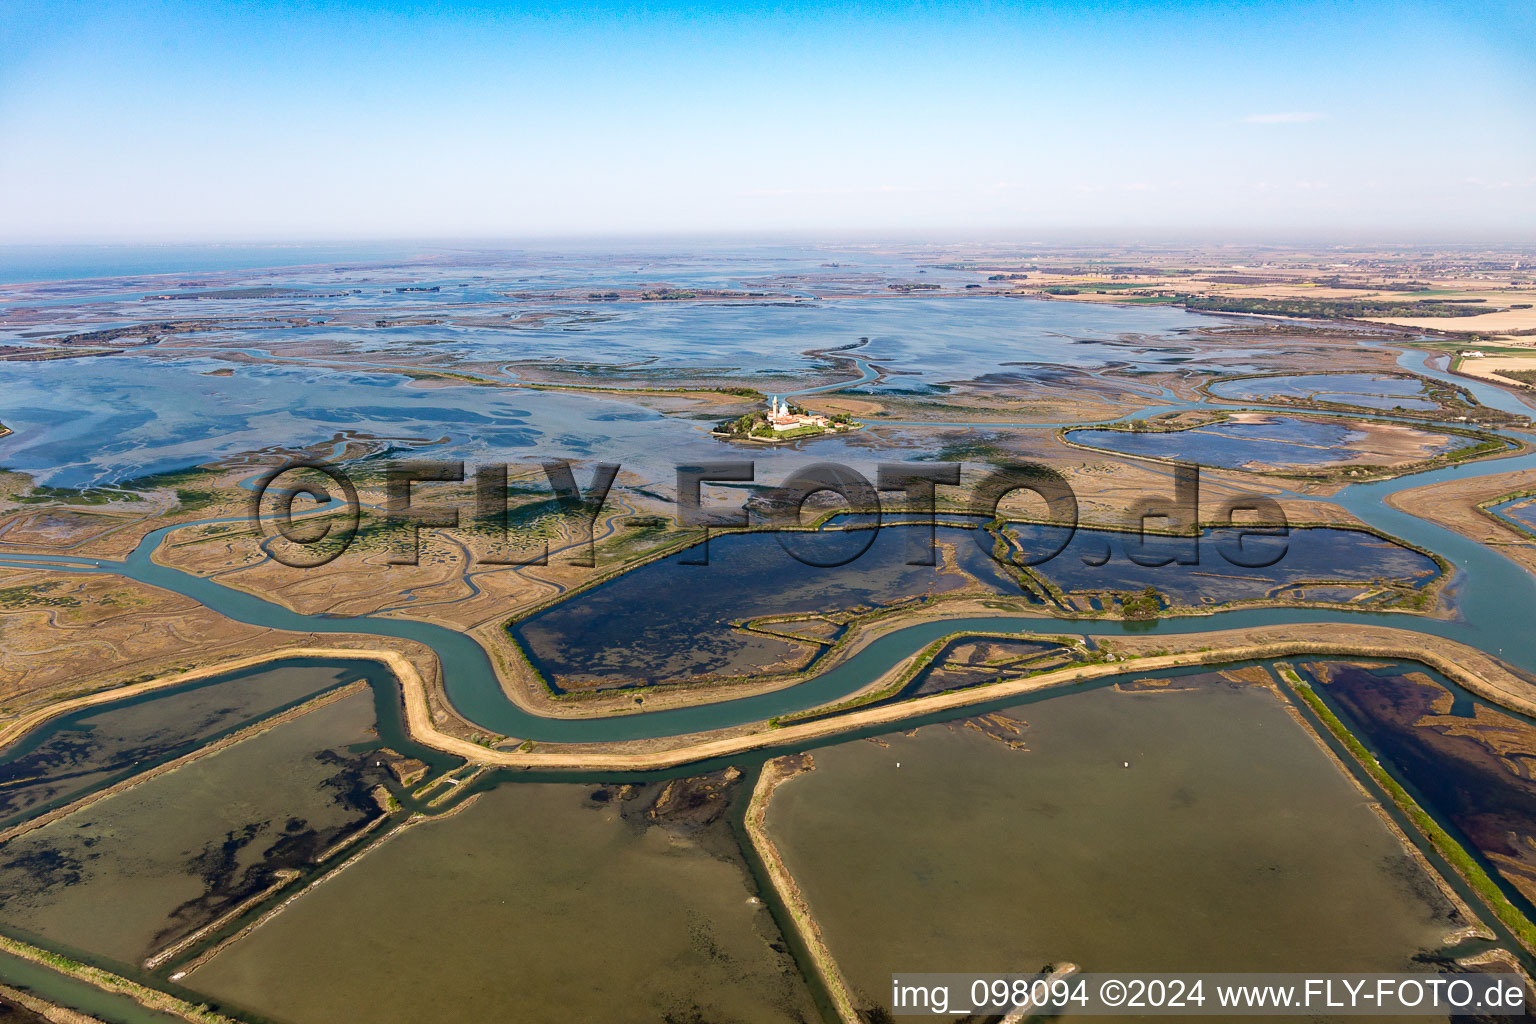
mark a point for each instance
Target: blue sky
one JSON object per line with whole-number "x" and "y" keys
{"x": 187, "y": 121}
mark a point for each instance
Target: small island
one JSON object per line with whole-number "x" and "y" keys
{"x": 783, "y": 421}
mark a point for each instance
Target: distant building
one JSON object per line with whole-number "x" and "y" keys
{"x": 781, "y": 419}
{"x": 1471, "y": 353}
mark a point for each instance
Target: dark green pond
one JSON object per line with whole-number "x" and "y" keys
{"x": 670, "y": 621}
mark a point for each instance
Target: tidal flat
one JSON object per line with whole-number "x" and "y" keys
{"x": 298, "y": 378}
{"x": 1191, "y": 826}
{"x": 137, "y": 870}
{"x": 1364, "y": 390}
{"x": 535, "y": 901}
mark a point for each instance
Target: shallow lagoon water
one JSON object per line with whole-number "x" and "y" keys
{"x": 619, "y": 633}
{"x": 104, "y": 420}
{"x": 669, "y": 620}
{"x": 136, "y": 870}
{"x": 1230, "y": 843}
{"x": 530, "y": 904}
{"x": 1221, "y": 566}
{"x": 77, "y": 752}
{"x": 95, "y": 421}
{"x": 1521, "y": 512}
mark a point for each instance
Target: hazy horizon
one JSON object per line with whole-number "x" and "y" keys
{"x": 299, "y": 121}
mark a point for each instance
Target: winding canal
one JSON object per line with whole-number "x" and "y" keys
{"x": 1493, "y": 596}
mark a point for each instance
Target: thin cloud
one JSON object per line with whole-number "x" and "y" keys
{"x": 834, "y": 191}
{"x": 1290, "y": 117}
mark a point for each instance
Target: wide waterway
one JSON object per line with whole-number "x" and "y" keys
{"x": 1491, "y": 592}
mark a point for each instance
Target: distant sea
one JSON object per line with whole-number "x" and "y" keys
{"x": 21, "y": 264}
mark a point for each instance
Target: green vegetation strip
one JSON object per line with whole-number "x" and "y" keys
{"x": 151, "y": 998}
{"x": 1480, "y": 881}
{"x": 1487, "y": 509}
{"x": 1338, "y": 309}
{"x": 920, "y": 661}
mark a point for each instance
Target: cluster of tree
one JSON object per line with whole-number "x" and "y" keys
{"x": 1092, "y": 269}
{"x": 1327, "y": 308}
{"x": 1144, "y": 605}
{"x": 1335, "y": 281}
{"x": 755, "y": 424}
{"x": 752, "y": 424}
{"x": 1246, "y": 279}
